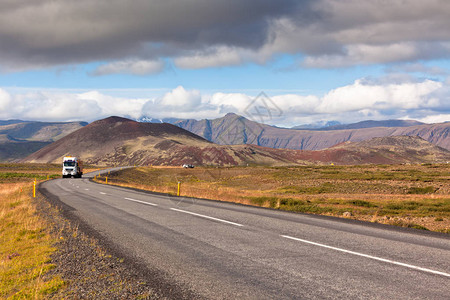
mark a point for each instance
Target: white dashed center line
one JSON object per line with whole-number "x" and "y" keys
{"x": 206, "y": 217}
{"x": 139, "y": 201}
{"x": 102, "y": 193}
{"x": 369, "y": 256}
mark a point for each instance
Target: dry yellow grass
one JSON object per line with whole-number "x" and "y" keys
{"x": 25, "y": 246}
{"x": 411, "y": 196}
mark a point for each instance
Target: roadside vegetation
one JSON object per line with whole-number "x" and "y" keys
{"x": 416, "y": 196}
{"x": 25, "y": 240}
{"x": 43, "y": 255}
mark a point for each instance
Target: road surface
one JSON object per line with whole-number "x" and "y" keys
{"x": 221, "y": 250}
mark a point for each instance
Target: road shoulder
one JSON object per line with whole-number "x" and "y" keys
{"x": 93, "y": 267}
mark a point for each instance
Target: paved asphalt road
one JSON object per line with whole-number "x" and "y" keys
{"x": 229, "y": 251}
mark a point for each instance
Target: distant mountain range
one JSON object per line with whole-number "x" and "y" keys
{"x": 9, "y": 122}
{"x": 320, "y": 125}
{"x": 119, "y": 141}
{"x": 21, "y": 138}
{"x": 154, "y": 120}
{"x": 233, "y": 129}
{"x": 372, "y": 124}
{"x": 242, "y": 140}
{"x": 317, "y": 125}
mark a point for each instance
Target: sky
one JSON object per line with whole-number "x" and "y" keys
{"x": 283, "y": 63}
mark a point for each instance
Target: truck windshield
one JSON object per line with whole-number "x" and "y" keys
{"x": 69, "y": 163}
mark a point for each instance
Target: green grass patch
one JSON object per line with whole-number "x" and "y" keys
{"x": 402, "y": 223}
{"x": 311, "y": 190}
{"x": 422, "y": 190}
{"x": 303, "y": 206}
{"x": 423, "y": 208}
{"x": 362, "y": 203}
{"x": 26, "y": 175}
{"x": 264, "y": 201}
{"x": 408, "y": 205}
{"x": 396, "y": 191}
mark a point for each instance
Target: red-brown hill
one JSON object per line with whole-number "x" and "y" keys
{"x": 103, "y": 137}
{"x": 120, "y": 141}
{"x": 381, "y": 150}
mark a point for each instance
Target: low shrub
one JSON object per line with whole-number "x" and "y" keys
{"x": 362, "y": 203}
{"x": 421, "y": 190}
{"x": 408, "y": 205}
{"x": 302, "y": 206}
{"x": 263, "y": 201}
{"x": 402, "y": 223}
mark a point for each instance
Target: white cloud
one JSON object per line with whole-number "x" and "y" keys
{"x": 297, "y": 104}
{"x": 181, "y": 100}
{"x": 424, "y": 100}
{"x": 52, "y": 106}
{"x": 110, "y": 105}
{"x": 5, "y": 104}
{"x": 441, "y": 118}
{"x": 179, "y": 103}
{"x": 135, "y": 67}
{"x": 418, "y": 68}
{"x": 359, "y": 96}
{"x": 60, "y": 106}
{"x": 218, "y": 57}
{"x": 230, "y": 102}
{"x": 365, "y": 54}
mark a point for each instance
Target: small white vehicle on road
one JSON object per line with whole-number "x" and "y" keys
{"x": 72, "y": 167}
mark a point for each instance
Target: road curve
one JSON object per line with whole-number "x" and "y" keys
{"x": 222, "y": 250}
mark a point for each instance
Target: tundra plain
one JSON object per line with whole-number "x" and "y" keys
{"x": 415, "y": 196}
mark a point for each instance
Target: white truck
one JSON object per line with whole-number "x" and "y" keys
{"x": 72, "y": 167}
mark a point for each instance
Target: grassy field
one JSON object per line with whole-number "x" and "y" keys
{"x": 411, "y": 196}
{"x": 415, "y": 196}
{"x": 44, "y": 256}
{"x": 25, "y": 241}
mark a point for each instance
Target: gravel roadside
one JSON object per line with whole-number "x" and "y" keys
{"x": 93, "y": 268}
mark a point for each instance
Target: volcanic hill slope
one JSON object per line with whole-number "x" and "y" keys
{"x": 388, "y": 150}
{"x": 119, "y": 141}
{"x": 21, "y": 138}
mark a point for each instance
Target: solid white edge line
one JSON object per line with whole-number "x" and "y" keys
{"x": 143, "y": 202}
{"x": 370, "y": 256}
{"x": 207, "y": 217}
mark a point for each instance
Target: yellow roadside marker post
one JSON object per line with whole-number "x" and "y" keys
{"x": 106, "y": 179}
{"x": 179, "y": 185}
{"x": 34, "y": 189}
